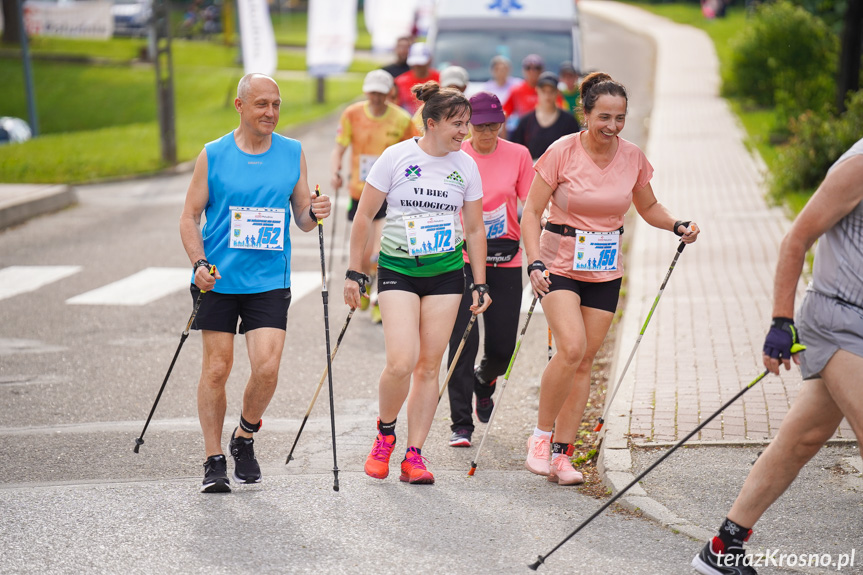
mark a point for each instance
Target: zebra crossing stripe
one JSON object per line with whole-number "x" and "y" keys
{"x": 15, "y": 280}
{"x": 140, "y": 288}
{"x": 304, "y": 283}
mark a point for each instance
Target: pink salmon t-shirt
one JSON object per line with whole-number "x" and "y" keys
{"x": 587, "y": 198}
{"x": 506, "y": 177}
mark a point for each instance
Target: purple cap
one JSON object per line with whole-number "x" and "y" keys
{"x": 485, "y": 109}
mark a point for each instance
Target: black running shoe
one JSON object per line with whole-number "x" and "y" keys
{"x": 216, "y": 475}
{"x": 484, "y": 402}
{"x": 246, "y": 468}
{"x": 460, "y": 438}
{"x": 731, "y": 561}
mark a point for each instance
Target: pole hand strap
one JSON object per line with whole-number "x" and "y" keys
{"x": 679, "y": 223}
{"x": 481, "y": 289}
{"x": 362, "y": 279}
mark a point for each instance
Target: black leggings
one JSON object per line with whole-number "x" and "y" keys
{"x": 500, "y": 324}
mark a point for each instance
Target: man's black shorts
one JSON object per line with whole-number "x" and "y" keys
{"x": 221, "y": 311}
{"x": 352, "y": 210}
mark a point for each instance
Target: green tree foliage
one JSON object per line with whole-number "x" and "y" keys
{"x": 817, "y": 140}
{"x": 784, "y": 58}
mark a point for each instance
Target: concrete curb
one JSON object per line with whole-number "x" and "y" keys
{"x": 19, "y": 203}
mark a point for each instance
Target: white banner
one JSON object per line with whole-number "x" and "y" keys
{"x": 389, "y": 20}
{"x": 90, "y": 19}
{"x": 256, "y": 37}
{"x": 331, "y": 36}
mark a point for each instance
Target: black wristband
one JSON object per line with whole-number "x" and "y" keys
{"x": 679, "y": 223}
{"x": 536, "y": 265}
{"x": 362, "y": 279}
{"x": 781, "y": 322}
{"x": 481, "y": 290}
{"x": 200, "y": 263}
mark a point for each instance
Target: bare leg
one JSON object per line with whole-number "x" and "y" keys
{"x": 400, "y": 311}
{"x": 596, "y": 324}
{"x": 216, "y": 366}
{"x": 437, "y": 317}
{"x": 563, "y": 314}
{"x": 810, "y": 422}
{"x": 265, "y": 355}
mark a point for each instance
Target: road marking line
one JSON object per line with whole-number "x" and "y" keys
{"x": 16, "y": 280}
{"x": 140, "y": 288}
{"x": 527, "y": 299}
{"x": 304, "y": 283}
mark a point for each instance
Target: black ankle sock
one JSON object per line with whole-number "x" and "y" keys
{"x": 565, "y": 448}
{"x": 733, "y": 535}
{"x": 387, "y": 428}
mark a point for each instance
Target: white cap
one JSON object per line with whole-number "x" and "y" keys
{"x": 454, "y": 76}
{"x": 379, "y": 81}
{"x": 419, "y": 54}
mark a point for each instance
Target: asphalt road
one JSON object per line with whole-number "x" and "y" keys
{"x": 78, "y": 379}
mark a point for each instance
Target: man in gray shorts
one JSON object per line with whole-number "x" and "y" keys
{"x": 830, "y": 326}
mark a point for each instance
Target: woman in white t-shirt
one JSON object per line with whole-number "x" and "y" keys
{"x": 426, "y": 183}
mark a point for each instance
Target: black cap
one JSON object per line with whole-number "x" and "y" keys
{"x": 547, "y": 79}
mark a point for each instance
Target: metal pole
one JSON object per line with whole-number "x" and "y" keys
{"x": 32, "y": 116}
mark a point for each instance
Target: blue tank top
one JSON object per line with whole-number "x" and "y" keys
{"x": 235, "y": 178}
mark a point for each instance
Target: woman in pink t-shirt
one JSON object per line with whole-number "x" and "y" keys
{"x": 506, "y": 171}
{"x": 591, "y": 179}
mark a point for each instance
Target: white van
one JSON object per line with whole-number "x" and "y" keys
{"x": 469, "y": 33}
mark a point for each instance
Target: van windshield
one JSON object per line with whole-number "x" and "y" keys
{"x": 474, "y": 49}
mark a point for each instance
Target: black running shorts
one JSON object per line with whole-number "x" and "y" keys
{"x": 352, "y": 210}
{"x": 443, "y": 284}
{"x": 221, "y": 311}
{"x": 598, "y": 295}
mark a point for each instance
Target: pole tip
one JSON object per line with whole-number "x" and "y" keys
{"x": 138, "y": 443}
{"x": 535, "y": 565}
{"x": 472, "y": 469}
{"x": 289, "y": 459}
{"x": 598, "y": 427}
{"x": 335, "y": 486}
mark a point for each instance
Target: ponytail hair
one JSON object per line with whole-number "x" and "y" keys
{"x": 597, "y": 84}
{"x": 440, "y": 103}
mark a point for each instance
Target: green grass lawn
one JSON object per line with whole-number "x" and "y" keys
{"x": 291, "y": 28}
{"x": 99, "y": 121}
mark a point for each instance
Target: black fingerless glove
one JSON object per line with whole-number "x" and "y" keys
{"x": 481, "y": 289}
{"x": 362, "y": 279}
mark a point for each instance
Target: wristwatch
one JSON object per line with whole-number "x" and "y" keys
{"x": 200, "y": 263}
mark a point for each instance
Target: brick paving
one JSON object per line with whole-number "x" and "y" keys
{"x": 703, "y": 343}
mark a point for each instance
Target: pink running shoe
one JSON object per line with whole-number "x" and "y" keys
{"x": 378, "y": 461}
{"x": 414, "y": 469}
{"x": 538, "y": 452}
{"x": 563, "y": 473}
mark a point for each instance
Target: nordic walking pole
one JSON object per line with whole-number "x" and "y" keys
{"x": 608, "y": 402}
{"x": 541, "y": 558}
{"x": 320, "y": 385}
{"x": 139, "y": 441}
{"x": 333, "y": 235}
{"x": 503, "y": 387}
{"x": 325, "y": 296}
{"x": 458, "y": 352}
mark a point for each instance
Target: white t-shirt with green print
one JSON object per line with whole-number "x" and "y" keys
{"x": 418, "y": 186}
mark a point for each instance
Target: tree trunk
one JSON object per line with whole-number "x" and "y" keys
{"x": 849, "y": 59}
{"x": 11, "y": 30}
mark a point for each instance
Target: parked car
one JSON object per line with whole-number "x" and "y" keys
{"x": 131, "y": 17}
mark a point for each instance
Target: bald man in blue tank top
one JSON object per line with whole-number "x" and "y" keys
{"x": 247, "y": 184}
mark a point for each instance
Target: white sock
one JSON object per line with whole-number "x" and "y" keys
{"x": 555, "y": 456}
{"x": 537, "y": 432}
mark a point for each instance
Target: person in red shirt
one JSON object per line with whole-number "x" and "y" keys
{"x": 523, "y": 97}
{"x": 419, "y": 59}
